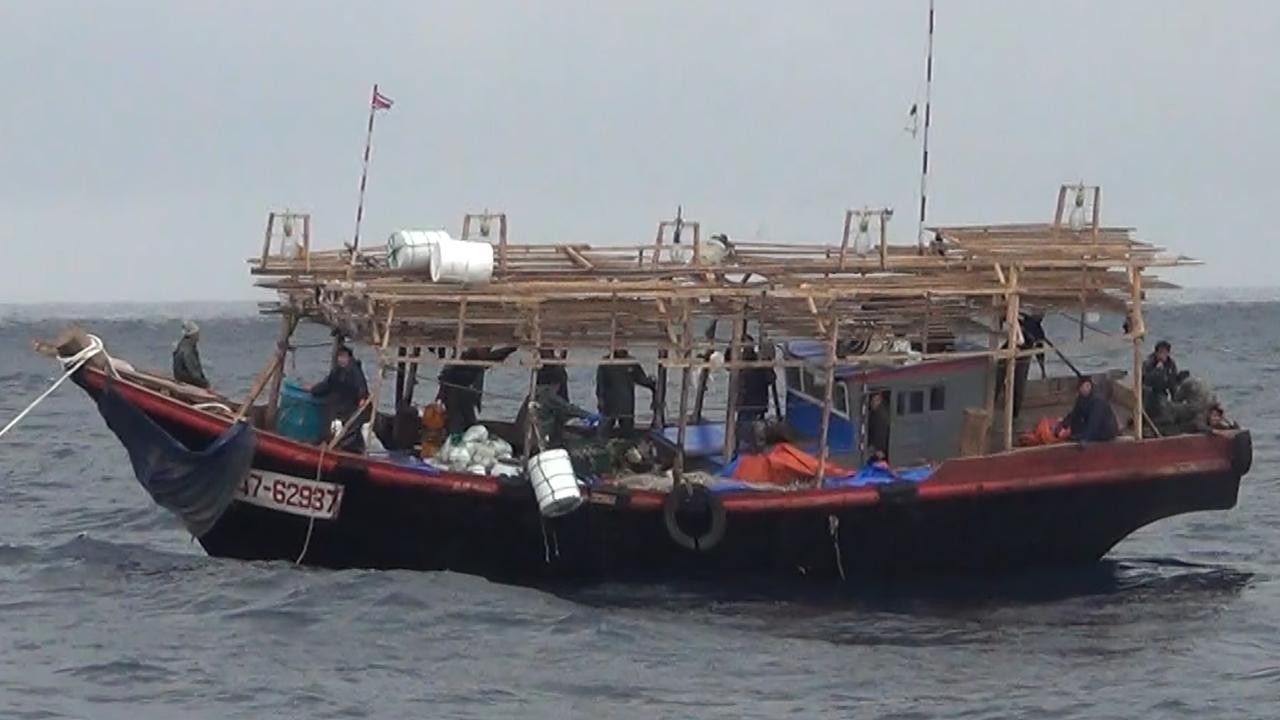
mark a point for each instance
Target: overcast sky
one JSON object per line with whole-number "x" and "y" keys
{"x": 142, "y": 144}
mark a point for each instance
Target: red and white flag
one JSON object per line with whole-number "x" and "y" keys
{"x": 380, "y": 101}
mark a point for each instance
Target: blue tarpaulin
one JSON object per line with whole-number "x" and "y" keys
{"x": 196, "y": 485}
{"x": 877, "y": 475}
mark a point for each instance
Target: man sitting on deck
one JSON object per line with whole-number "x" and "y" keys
{"x": 1091, "y": 419}
{"x": 345, "y": 389}
{"x": 186, "y": 357}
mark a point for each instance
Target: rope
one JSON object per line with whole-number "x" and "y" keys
{"x": 833, "y": 525}
{"x": 311, "y": 521}
{"x": 70, "y": 365}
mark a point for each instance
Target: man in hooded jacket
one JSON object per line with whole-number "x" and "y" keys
{"x": 186, "y": 357}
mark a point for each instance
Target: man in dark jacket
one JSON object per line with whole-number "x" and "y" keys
{"x": 754, "y": 385}
{"x": 616, "y": 394}
{"x": 1091, "y": 418}
{"x": 877, "y": 427}
{"x": 462, "y": 386}
{"x": 186, "y": 357}
{"x": 553, "y": 372}
{"x": 345, "y": 389}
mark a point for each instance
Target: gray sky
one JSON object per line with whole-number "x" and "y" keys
{"x": 142, "y": 144}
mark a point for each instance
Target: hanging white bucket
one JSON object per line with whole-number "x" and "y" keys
{"x": 554, "y": 484}
{"x": 461, "y": 261}
{"x": 412, "y": 249}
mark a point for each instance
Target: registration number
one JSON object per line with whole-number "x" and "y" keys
{"x": 308, "y": 498}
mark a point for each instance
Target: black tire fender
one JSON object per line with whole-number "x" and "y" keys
{"x": 686, "y": 498}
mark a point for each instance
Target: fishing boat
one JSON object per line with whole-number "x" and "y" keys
{"x": 933, "y": 330}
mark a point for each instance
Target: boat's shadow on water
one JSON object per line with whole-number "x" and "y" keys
{"x": 1128, "y": 580}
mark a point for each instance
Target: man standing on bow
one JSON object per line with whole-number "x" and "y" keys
{"x": 186, "y": 357}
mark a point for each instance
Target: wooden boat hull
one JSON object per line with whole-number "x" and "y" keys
{"x": 1058, "y": 505}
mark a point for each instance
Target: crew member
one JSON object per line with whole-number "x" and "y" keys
{"x": 1091, "y": 418}
{"x": 877, "y": 427}
{"x": 462, "y": 386}
{"x": 548, "y": 412}
{"x": 1160, "y": 372}
{"x": 616, "y": 393}
{"x": 186, "y": 357}
{"x": 344, "y": 389}
{"x": 753, "y": 385}
{"x": 554, "y": 372}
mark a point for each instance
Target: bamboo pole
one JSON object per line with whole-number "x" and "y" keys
{"x": 376, "y": 396}
{"x": 535, "y": 365}
{"x": 287, "y": 323}
{"x": 1011, "y": 357}
{"x": 686, "y": 350}
{"x": 824, "y": 444}
{"x": 735, "y": 375}
{"x": 1138, "y": 329}
{"x": 260, "y": 383}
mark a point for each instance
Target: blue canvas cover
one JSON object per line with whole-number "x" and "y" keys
{"x": 196, "y": 485}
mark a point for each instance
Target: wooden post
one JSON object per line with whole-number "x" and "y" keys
{"x": 266, "y": 240}
{"x": 824, "y": 444}
{"x": 402, "y": 369}
{"x": 529, "y": 433}
{"x": 287, "y": 323}
{"x": 1138, "y": 329}
{"x": 686, "y": 352}
{"x": 411, "y": 382}
{"x": 928, "y": 317}
{"x": 731, "y": 411}
{"x": 844, "y": 237}
{"x": 1057, "y": 215}
{"x": 1097, "y": 213}
{"x": 260, "y": 383}
{"x": 1011, "y": 357}
{"x": 884, "y": 241}
{"x": 380, "y": 362}
{"x": 704, "y": 375}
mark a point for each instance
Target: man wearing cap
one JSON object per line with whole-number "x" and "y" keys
{"x": 186, "y": 357}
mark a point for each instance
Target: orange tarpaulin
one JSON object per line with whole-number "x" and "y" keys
{"x": 1044, "y": 435}
{"x": 783, "y": 464}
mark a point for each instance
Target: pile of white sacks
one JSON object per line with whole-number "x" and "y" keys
{"x": 478, "y": 453}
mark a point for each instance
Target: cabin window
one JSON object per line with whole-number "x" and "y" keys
{"x": 840, "y": 400}
{"x": 911, "y": 402}
{"x": 937, "y": 398}
{"x": 793, "y": 379}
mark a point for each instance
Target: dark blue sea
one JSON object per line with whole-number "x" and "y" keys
{"x": 108, "y": 610}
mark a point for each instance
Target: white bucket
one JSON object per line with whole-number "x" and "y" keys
{"x": 461, "y": 261}
{"x": 551, "y": 474}
{"x": 412, "y": 249}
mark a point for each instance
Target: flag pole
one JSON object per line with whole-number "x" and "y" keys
{"x": 924, "y": 152}
{"x": 364, "y": 172}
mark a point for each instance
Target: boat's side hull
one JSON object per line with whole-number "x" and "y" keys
{"x": 1056, "y": 506}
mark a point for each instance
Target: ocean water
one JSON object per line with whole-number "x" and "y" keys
{"x": 107, "y": 610}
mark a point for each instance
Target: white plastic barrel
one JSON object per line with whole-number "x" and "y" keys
{"x": 554, "y": 484}
{"x": 460, "y": 261}
{"x": 412, "y": 249}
